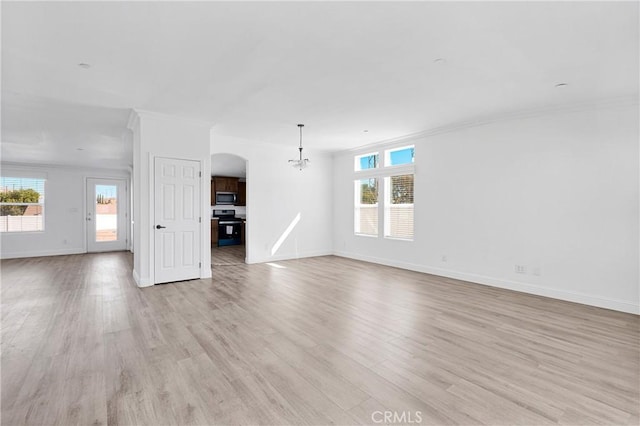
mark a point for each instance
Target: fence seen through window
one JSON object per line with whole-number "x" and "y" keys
{"x": 21, "y": 204}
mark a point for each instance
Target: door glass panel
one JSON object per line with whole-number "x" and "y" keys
{"x": 106, "y": 212}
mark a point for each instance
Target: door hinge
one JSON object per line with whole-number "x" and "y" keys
{"x": 200, "y": 265}
{"x": 200, "y": 219}
{"x": 199, "y": 174}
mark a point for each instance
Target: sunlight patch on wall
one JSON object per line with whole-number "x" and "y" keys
{"x": 285, "y": 234}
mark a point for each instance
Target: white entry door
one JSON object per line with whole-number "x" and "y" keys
{"x": 177, "y": 224}
{"x": 106, "y": 214}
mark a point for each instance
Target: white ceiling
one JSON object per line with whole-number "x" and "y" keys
{"x": 258, "y": 69}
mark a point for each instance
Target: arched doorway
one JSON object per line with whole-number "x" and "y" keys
{"x": 228, "y": 210}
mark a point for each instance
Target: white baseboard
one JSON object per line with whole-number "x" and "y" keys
{"x": 585, "y": 299}
{"x": 278, "y": 258}
{"x": 57, "y": 252}
{"x": 141, "y": 282}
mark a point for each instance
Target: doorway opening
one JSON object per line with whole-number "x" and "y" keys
{"x": 228, "y": 210}
{"x": 106, "y": 214}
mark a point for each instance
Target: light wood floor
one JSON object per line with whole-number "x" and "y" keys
{"x": 227, "y": 255}
{"x": 317, "y": 341}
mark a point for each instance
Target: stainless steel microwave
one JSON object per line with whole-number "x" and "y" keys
{"x": 228, "y": 198}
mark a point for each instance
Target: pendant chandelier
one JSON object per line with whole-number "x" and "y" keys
{"x": 300, "y": 163}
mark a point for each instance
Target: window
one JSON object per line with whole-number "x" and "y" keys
{"x": 367, "y": 161}
{"x": 106, "y": 212}
{"x": 366, "y": 206}
{"x": 399, "y": 156}
{"x": 21, "y": 204}
{"x": 394, "y": 177}
{"x": 398, "y": 213}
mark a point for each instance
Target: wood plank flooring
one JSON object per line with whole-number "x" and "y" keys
{"x": 227, "y": 255}
{"x": 315, "y": 341}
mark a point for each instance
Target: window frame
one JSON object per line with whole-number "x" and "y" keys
{"x": 357, "y": 158}
{"x": 41, "y": 201}
{"x": 388, "y": 151}
{"x": 357, "y": 187}
{"x": 383, "y": 171}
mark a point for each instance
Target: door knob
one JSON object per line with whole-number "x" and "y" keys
{"x": 160, "y": 227}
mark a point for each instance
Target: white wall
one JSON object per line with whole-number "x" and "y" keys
{"x": 158, "y": 135}
{"x": 277, "y": 193}
{"x": 557, "y": 193}
{"x": 64, "y": 215}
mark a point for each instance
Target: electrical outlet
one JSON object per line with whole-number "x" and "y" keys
{"x": 520, "y": 269}
{"x": 444, "y": 258}
{"x": 536, "y": 271}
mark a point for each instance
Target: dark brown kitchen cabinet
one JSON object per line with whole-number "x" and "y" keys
{"x": 242, "y": 194}
{"x": 214, "y": 232}
{"x": 232, "y": 184}
{"x": 225, "y": 184}
{"x": 213, "y": 192}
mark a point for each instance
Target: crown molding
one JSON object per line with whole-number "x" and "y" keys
{"x": 604, "y": 103}
{"x": 65, "y": 167}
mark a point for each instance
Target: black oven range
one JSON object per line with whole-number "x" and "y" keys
{"x": 229, "y": 227}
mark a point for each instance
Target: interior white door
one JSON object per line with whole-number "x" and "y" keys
{"x": 177, "y": 224}
{"x": 106, "y": 214}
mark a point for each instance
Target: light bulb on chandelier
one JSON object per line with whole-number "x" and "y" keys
{"x": 300, "y": 163}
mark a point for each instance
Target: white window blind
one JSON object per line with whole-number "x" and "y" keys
{"x": 366, "y": 207}
{"x": 399, "y": 207}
